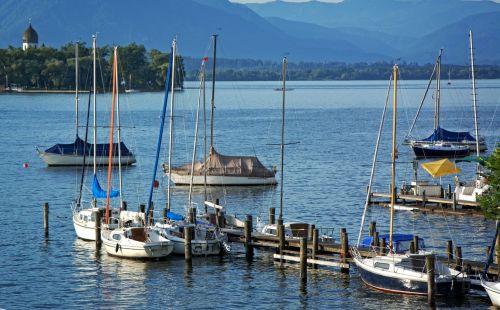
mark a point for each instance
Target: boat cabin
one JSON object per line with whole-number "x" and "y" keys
{"x": 401, "y": 242}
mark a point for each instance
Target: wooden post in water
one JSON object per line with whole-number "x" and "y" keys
{"x": 454, "y": 197}
{"x": 217, "y": 217}
{"x": 46, "y": 218}
{"x": 165, "y": 217}
{"x": 187, "y": 243}
{"x": 415, "y": 243}
{"x": 281, "y": 236}
{"x": 97, "y": 218}
{"x": 303, "y": 259}
{"x": 448, "y": 194}
{"x": 315, "y": 245}
{"x": 376, "y": 243}
{"x": 272, "y": 215}
{"x": 311, "y": 227}
{"x": 248, "y": 237}
{"x": 423, "y": 198}
{"x": 458, "y": 258}
{"x": 142, "y": 208}
{"x": 372, "y": 228}
{"x": 430, "y": 263}
{"x": 449, "y": 250}
{"x": 412, "y": 247}
{"x": 124, "y": 206}
{"x": 344, "y": 250}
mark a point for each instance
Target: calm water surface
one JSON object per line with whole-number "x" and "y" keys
{"x": 331, "y": 128}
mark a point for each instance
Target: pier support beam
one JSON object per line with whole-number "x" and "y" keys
{"x": 272, "y": 215}
{"x": 46, "y": 219}
{"x": 97, "y": 217}
{"x": 187, "y": 243}
{"x": 248, "y": 237}
{"x": 430, "y": 263}
{"x": 344, "y": 251}
{"x": 303, "y": 259}
{"x": 315, "y": 245}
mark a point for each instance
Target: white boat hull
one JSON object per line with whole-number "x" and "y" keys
{"x": 493, "y": 291}
{"x": 154, "y": 247}
{"x": 218, "y": 180}
{"x": 198, "y": 247}
{"x": 76, "y": 160}
{"x": 84, "y": 229}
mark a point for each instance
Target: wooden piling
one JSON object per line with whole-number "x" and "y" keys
{"x": 315, "y": 245}
{"x": 423, "y": 198}
{"x": 272, "y": 215}
{"x": 430, "y": 263}
{"x": 454, "y": 198}
{"x": 248, "y": 237}
{"x": 217, "y": 217}
{"x": 382, "y": 246}
{"x": 376, "y": 242}
{"x": 449, "y": 250}
{"x": 46, "y": 218}
{"x": 281, "y": 236}
{"x": 448, "y": 194}
{"x": 124, "y": 206}
{"x": 151, "y": 217}
{"x": 412, "y": 247}
{"x": 372, "y": 228}
{"x": 415, "y": 243}
{"x": 303, "y": 259}
{"x": 344, "y": 251}
{"x": 187, "y": 243}
{"x": 311, "y": 228}
{"x": 458, "y": 258}
{"x": 142, "y": 208}
{"x": 97, "y": 218}
{"x": 165, "y": 217}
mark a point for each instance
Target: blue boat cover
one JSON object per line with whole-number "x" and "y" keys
{"x": 175, "y": 216}
{"x": 396, "y": 238}
{"x": 98, "y": 192}
{"x": 441, "y": 134}
{"x": 77, "y": 148}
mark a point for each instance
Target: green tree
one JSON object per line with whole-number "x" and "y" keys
{"x": 490, "y": 202}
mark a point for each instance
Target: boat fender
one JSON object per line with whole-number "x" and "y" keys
{"x": 197, "y": 250}
{"x": 117, "y": 247}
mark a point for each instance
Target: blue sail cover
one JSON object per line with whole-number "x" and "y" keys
{"x": 441, "y": 134}
{"x": 175, "y": 216}
{"x": 78, "y": 147}
{"x": 98, "y": 192}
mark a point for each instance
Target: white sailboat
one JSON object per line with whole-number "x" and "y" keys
{"x": 72, "y": 154}
{"x": 400, "y": 271}
{"x": 218, "y": 169}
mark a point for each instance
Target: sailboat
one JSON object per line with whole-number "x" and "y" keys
{"x": 220, "y": 169}
{"x": 470, "y": 191}
{"x": 204, "y": 241}
{"x": 136, "y": 241}
{"x": 72, "y": 154}
{"x": 442, "y": 142}
{"x": 492, "y": 288}
{"x": 130, "y": 89}
{"x": 84, "y": 220}
{"x": 399, "y": 271}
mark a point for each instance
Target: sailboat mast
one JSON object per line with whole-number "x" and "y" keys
{"x": 474, "y": 93}
{"x": 170, "y": 145}
{"x": 213, "y": 94}
{"x": 282, "y": 137}
{"x": 393, "y": 164}
{"x": 202, "y": 78}
{"x": 204, "y": 139}
{"x": 111, "y": 131}
{"x": 438, "y": 91}
{"x": 76, "y": 86}
{"x": 117, "y": 85}
{"x": 95, "y": 100}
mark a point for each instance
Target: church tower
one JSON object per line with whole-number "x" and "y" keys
{"x": 30, "y": 38}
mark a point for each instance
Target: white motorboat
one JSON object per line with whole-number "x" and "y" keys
{"x": 84, "y": 221}
{"x": 136, "y": 242}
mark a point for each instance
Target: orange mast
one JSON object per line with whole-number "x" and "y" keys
{"x": 111, "y": 130}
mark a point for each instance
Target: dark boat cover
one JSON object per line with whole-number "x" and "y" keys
{"x": 77, "y": 148}
{"x": 441, "y": 134}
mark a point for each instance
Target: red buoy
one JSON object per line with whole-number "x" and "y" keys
{"x": 26, "y": 165}
{"x": 156, "y": 184}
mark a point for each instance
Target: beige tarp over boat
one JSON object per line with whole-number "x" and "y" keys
{"x": 222, "y": 165}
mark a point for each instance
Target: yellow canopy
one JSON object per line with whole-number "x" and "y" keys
{"x": 440, "y": 168}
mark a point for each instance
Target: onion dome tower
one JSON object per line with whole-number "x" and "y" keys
{"x": 30, "y": 38}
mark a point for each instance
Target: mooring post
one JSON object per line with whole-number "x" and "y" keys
{"x": 97, "y": 217}
{"x": 187, "y": 243}
{"x": 217, "y": 217}
{"x": 382, "y": 246}
{"x": 142, "y": 208}
{"x": 429, "y": 262}
{"x": 412, "y": 247}
{"x": 448, "y": 194}
{"x": 281, "y": 236}
{"x": 124, "y": 206}
{"x": 46, "y": 218}
{"x": 315, "y": 245}
{"x": 344, "y": 250}
{"x": 303, "y": 259}
{"x": 372, "y": 228}
{"x": 415, "y": 243}
{"x": 423, "y": 198}
{"x": 458, "y": 258}
{"x": 310, "y": 231}
{"x": 454, "y": 197}
{"x": 272, "y": 214}
{"x": 248, "y": 237}
{"x": 376, "y": 243}
{"x": 165, "y": 215}
{"x": 449, "y": 250}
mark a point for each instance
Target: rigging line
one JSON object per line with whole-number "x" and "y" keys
{"x": 375, "y": 155}
{"x": 85, "y": 149}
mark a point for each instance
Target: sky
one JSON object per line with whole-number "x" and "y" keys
{"x": 262, "y": 1}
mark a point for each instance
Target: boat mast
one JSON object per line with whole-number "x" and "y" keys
{"x": 393, "y": 164}
{"x": 474, "y": 95}
{"x": 111, "y": 131}
{"x": 282, "y": 137}
{"x": 119, "y": 132}
{"x": 202, "y": 80}
{"x": 76, "y": 86}
{"x": 438, "y": 91}
{"x": 170, "y": 146}
{"x": 94, "y": 38}
{"x": 204, "y": 140}
{"x": 213, "y": 94}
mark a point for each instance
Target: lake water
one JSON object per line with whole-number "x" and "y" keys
{"x": 331, "y": 129}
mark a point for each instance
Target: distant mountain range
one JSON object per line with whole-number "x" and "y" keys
{"x": 350, "y": 31}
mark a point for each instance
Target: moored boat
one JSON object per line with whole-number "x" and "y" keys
{"x": 439, "y": 149}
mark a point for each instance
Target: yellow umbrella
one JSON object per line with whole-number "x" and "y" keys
{"x": 440, "y": 168}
